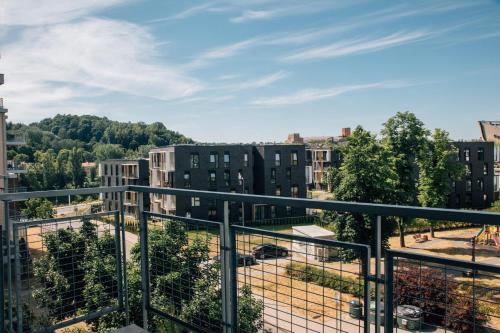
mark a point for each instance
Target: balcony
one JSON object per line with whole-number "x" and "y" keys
{"x": 182, "y": 274}
{"x": 16, "y": 139}
{"x": 14, "y": 167}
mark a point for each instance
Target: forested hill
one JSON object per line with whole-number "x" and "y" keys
{"x": 99, "y": 137}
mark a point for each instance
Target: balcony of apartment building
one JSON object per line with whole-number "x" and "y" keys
{"x": 14, "y": 168}
{"x": 15, "y": 139}
{"x": 130, "y": 198}
{"x": 180, "y": 274}
{"x": 130, "y": 171}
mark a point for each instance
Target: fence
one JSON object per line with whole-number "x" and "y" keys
{"x": 186, "y": 274}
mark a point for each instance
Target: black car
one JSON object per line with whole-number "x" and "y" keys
{"x": 242, "y": 260}
{"x": 270, "y": 251}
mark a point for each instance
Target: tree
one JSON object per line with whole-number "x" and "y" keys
{"x": 329, "y": 178}
{"x": 405, "y": 137}
{"x": 38, "y": 208}
{"x": 366, "y": 175}
{"x": 438, "y": 168}
{"x": 104, "y": 152}
{"x": 76, "y": 172}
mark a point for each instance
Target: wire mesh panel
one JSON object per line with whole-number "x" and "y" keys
{"x": 291, "y": 283}
{"x": 432, "y": 293}
{"x": 184, "y": 273}
{"x": 66, "y": 271}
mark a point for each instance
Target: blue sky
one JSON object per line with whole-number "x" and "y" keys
{"x": 243, "y": 71}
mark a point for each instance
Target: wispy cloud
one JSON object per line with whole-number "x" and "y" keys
{"x": 309, "y": 95}
{"x": 189, "y": 12}
{"x": 60, "y": 63}
{"x": 356, "y": 46}
{"x": 32, "y": 13}
{"x": 260, "y": 82}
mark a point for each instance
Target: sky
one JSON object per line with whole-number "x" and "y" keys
{"x": 253, "y": 71}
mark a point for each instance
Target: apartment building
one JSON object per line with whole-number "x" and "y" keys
{"x": 490, "y": 132}
{"x": 264, "y": 169}
{"x": 476, "y": 189}
{"x": 120, "y": 173}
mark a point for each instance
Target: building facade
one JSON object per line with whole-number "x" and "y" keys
{"x": 490, "y": 132}
{"x": 476, "y": 189}
{"x": 240, "y": 168}
{"x": 120, "y": 173}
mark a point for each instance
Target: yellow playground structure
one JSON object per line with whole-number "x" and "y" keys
{"x": 489, "y": 235}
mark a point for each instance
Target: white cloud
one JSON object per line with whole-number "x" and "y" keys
{"x": 189, "y": 12}
{"x": 260, "y": 82}
{"x": 32, "y": 12}
{"x": 355, "y": 46}
{"x": 58, "y": 63}
{"x": 309, "y": 95}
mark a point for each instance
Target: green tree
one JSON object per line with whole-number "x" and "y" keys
{"x": 438, "y": 168}
{"x": 38, "y": 208}
{"x": 329, "y": 178}
{"x": 405, "y": 137}
{"x": 366, "y": 175}
{"x": 76, "y": 172}
{"x": 104, "y": 152}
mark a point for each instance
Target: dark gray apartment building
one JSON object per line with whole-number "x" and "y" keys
{"x": 476, "y": 189}
{"x": 124, "y": 172}
{"x": 265, "y": 169}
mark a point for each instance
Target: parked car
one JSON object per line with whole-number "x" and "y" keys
{"x": 241, "y": 260}
{"x": 269, "y": 251}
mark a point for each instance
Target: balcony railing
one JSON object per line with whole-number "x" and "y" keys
{"x": 16, "y": 139}
{"x": 187, "y": 274}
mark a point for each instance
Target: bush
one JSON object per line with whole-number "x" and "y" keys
{"x": 344, "y": 284}
{"x": 438, "y": 295}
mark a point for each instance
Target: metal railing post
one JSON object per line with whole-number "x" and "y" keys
{"x": 366, "y": 291}
{"x": 388, "y": 292}
{"x": 17, "y": 261}
{"x": 9, "y": 263}
{"x": 378, "y": 263}
{"x": 228, "y": 265}
{"x": 2, "y": 296}
{"x": 144, "y": 261}
{"x": 118, "y": 259}
{"x": 124, "y": 258}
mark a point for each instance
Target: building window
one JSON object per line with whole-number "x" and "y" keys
{"x": 241, "y": 180}
{"x": 468, "y": 185}
{"x": 214, "y": 159}
{"x": 116, "y": 169}
{"x": 480, "y": 154}
{"x": 188, "y": 214}
{"x": 289, "y": 174}
{"x": 277, "y": 158}
{"x": 468, "y": 199}
{"x": 295, "y": 158}
{"x": 212, "y": 214}
{"x": 295, "y": 191}
{"x": 288, "y": 211}
{"x": 226, "y": 159}
{"x": 466, "y": 154}
{"x": 105, "y": 169}
{"x": 195, "y": 161}
{"x": 480, "y": 184}
{"x": 278, "y": 191}
{"x": 227, "y": 177}
{"x": 468, "y": 169}
{"x": 273, "y": 212}
{"x": 212, "y": 179}
{"x": 273, "y": 176}
{"x": 245, "y": 160}
{"x": 485, "y": 169}
{"x": 187, "y": 179}
{"x": 195, "y": 201}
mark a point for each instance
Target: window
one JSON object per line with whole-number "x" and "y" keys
{"x": 241, "y": 180}
{"x": 195, "y": 161}
{"x": 105, "y": 169}
{"x": 273, "y": 176}
{"x": 289, "y": 174}
{"x": 212, "y": 214}
{"x": 277, "y": 158}
{"x": 116, "y": 170}
{"x": 212, "y": 180}
{"x": 227, "y": 177}
{"x": 480, "y": 184}
{"x": 295, "y": 158}
{"x": 480, "y": 154}
{"x": 187, "y": 179}
{"x": 214, "y": 159}
{"x": 466, "y": 154}
{"x": 288, "y": 211}
{"x": 245, "y": 160}
{"x": 278, "y": 191}
{"x": 195, "y": 201}
{"x": 111, "y": 169}
{"x": 468, "y": 185}
{"x": 295, "y": 191}
{"x": 273, "y": 212}
{"x": 188, "y": 213}
{"x": 485, "y": 199}
{"x": 485, "y": 169}
{"x": 468, "y": 199}
{"x": 226, "y": 159}
{"x": 468, "y": 170}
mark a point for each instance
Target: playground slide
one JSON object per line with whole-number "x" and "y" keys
{"x": 480, "y": 233}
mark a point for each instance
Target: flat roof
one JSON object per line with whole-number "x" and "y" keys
{"x": 313, "y": 231}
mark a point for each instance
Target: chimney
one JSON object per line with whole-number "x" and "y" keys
{"x": 346, "y": 131}
{"x": 294, "y": 138}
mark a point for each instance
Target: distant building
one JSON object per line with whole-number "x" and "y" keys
{"x": 490, "y": 131}
{"x": 476, "y": 189}
{"x": 88, "y": 167}
{"x": 317, "y": 252}
{"x": 120, "y": 173}
{"x": 265, "y": 169}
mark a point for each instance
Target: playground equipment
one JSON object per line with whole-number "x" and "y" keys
{"x": 488, "y": 236}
